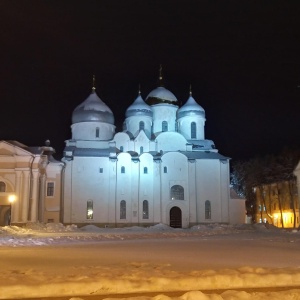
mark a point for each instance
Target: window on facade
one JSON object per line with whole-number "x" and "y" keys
{"x": 50, "y": 189}
{"x": 145, "y": 209}
{"x": 2, "y": 187}
{"x": 122, "y": 169}
{"x": 145, "y": 170}
{"x": 97, "y": 132}
{"x": 193, "y": 130}
{"x": 207, "y": 210}
{"x": 123, "y": 209}
{"x": 177, "y": 192}
{"x": 165, "y": 170}
{"x": 121, "y": 149}
{"x": 164, "y": 126}
{"x": 142, "y": 125}
{"x": 141, "y": 149}
{"x": 101, "y": 170}
{"x": 89, "y": 210}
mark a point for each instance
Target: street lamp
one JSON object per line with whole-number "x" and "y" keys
{"x": 11, "y": 199}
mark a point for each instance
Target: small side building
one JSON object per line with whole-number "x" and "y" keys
{"x": 30, "y": 184}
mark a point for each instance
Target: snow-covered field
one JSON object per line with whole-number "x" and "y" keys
{"x": 54, "y": 260}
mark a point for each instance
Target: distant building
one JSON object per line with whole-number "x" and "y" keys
{"x": 277, "y": 204}
{"x": 159, "y": 169}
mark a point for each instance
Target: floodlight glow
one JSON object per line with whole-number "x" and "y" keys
{"x": 11, "y": 198}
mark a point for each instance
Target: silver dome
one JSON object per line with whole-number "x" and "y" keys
{"x": 93, "y": 109}
{"x": 190, "y": 108}
{"x": 138, "y": 108}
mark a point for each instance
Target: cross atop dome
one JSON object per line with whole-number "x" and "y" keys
{"x": 94, "y": 84}
{"x": 160, "y": 78}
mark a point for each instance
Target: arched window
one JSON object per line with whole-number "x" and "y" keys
{"x": 142, "y": 125}
{"x": 145, "y": 209}
{"x": 2, "y": 187}
{"x": 123, "y": 169}
{"x": 89, "y": 210}
{"x": 121, "y": 149}
{"x": 164, "y": 126}
{"x": 97, "y": 132}
{"x": 177, "y": 192}
{"x": 207, "y": 209}
{"x": 145, "y": 170}
{"x": 123, "y": 209}
{"x": 165, "y": 169}
{"x": 50, "y": 189}
{"x": 141, "y": 150}
{"x": 193, "y": 130}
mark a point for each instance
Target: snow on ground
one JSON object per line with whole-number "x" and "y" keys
{"x": 55, "y": 260}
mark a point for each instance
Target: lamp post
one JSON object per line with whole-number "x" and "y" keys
{"x": 11, "y": 200}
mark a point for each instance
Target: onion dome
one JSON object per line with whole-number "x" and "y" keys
{"x": 161, "y": 94}
{"x": 138, "y": 108}
{"x": 190, "y": 108}
{"x": 93, "y": 109}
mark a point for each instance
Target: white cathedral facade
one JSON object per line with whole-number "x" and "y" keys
{"x": 159, "y": 169}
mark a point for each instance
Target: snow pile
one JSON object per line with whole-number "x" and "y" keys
{"x": 157, "y": 259}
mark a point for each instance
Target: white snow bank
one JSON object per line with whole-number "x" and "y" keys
{"x": 143, "y": 276}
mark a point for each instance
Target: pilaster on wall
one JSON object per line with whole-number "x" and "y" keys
{"x": 34, "y": 203}
{"x": 25, "y": 196}
{"x": 18, "y": 203}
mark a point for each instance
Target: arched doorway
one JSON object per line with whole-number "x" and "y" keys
{"x": 5, "y": 215}
{"x": 175, "y": 217}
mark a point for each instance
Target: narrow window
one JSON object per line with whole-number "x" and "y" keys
{"x": 177, "y": 192}
{"x": 207, "y": 210}
{"x": 193, "y": 130}
{"x": 97, "y": 132}
{"x": 123, "y": 169}
{"x": 164, "y": 126}
{"x": 2, "y": 187}
{"x": 142, "y": 125}
{"x": 50, "y": 189}
{"x": 145, "y": 209}
{"x": 123, "y": 209}
{"x": 141, "y": 150}
{"x": 89, "y": 210}
{"x": 121, "y": 149}
{"x": 165, "y": 169}
{"x": 145, "y": 170}
{"x": 101, "y": 170}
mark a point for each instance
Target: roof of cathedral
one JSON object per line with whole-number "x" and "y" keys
{"x": 161, "y": 95}
{"x": 93, "y": 109}
{"x": 190, "y": 108}
{"x": 138, "y": 108}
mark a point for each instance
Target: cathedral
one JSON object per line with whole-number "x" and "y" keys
{"x": 158, "y": 169}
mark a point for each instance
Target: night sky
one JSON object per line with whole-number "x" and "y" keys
{"x": 242, "y": 59}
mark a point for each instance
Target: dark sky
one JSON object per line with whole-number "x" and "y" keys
{"x": 241, "y": 57}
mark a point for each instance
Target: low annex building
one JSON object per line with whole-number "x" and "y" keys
{"x": 159, "y": 169}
